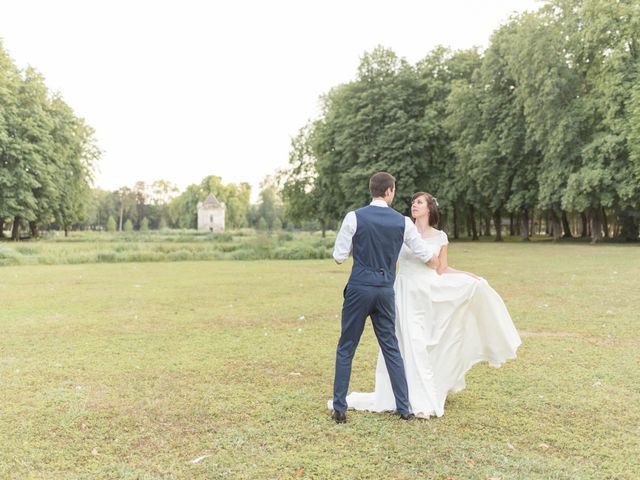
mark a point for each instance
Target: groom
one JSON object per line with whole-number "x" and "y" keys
{"x": 374, "y": 234}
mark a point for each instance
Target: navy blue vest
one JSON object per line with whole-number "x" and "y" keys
{"x": 376, "y": 245}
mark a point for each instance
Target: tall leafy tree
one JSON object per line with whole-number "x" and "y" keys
{"x": 238, "y": 197}
{"x": 505, "y": 161}
{"x": 301, "y": 191}
{"x": 376, "y": 123}
{"x": 26, "y": 152}
{"x": 605, "y": 38}
{"x": 75, "y": 151}
{"x": 548, "y": 91}
{"x": 183, "y": 209}
{"x": 10, "y": 203}
{"x": 160, "y": 193}
{"x": 270, "y": 205}
{"x": 126, "y": 206}
{"x": 464, "y": 121}
{"x": 46, "y": 153}
{"x": 438, "y": 73}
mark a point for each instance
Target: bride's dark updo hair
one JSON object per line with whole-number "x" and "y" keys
{"x": 432, "y": 205}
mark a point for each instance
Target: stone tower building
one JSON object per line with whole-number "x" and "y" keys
{"x": 211, "y": 214}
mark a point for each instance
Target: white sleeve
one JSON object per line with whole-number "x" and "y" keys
{"x": 342, "y": 248}
{"x": 416, "y": 244}
{"x": 445, "y": 238}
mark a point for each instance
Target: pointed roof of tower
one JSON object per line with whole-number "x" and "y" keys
{"x": 211, "y": 201}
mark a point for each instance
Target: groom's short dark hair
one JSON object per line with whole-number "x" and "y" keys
{"x": 380, "y": 182}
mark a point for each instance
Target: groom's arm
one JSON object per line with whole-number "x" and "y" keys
{"x": 342, "y": 248}
{"x": 418, "y": 246}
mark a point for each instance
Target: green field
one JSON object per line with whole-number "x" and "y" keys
{"x": 134, "y": 370}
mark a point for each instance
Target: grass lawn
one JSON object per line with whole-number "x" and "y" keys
{"x": 134, "y": 370}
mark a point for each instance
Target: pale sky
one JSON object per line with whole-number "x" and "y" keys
{"x": 180, "y": 89}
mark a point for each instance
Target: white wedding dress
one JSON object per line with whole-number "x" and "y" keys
{"x": 444, "y": 324}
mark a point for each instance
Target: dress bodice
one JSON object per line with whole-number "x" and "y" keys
{"x": 410, "y": 264}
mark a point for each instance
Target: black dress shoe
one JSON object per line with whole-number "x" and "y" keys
{"x": 407, "y": 416}
{"x": 339, "y": 417}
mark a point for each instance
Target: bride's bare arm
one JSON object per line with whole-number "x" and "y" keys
{"x": 444, "y": 265}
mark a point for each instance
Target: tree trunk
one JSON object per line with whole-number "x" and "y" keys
{"x": 547, "y": 225}
{"x": 468, "y": 226}
{"x": 472, "y": 223}
{"x": 605, "y": 223}
{"x": 15, "y": 229}
{"x": 456, "y": 229}
{"x": 487, "y": 226}
{"x": 497, "y": 224}
{"x": 596, "y": 226}
{"x": 121, "y": 215}
{"x": 66, "y": 230}
{"x": 323, "y": 226}
{"x": 584, "y": 231}
{"x": 532, "y": 224}
{"x": 512, "y": 228}
{"x": 540, "y": 224}
{"x": 35, "y": 230}
{"x": 556, "y": 226}
{"x": 565, "y": 226}
{"x": 524, "y": 228}
{"x": 442, "y": 221}
{"x": 630, "y": 226}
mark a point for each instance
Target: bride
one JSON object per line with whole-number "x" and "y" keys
{"x": 446, "y": 321}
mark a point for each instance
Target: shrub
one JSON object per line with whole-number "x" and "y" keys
{"x": 106, "y": 257}
{"x": 324, "y": 242}
{"x": 25, "y": 250}
{"x": 143, "y": 257}
{"x": 111, "y": 224}
{"x": 227, "y": 248}
{"x": 245, "y": 254}
{"x": 180, "y": 255}
{"x": 244, "y": 232}
{"x": 285, "y": 237}
{"x": 301, "y": 252}
{"x": 221, "y": 237}
{"x": 8, "y": 257}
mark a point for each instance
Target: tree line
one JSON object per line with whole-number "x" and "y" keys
{"x": 161, "y": 205}
{"x": 47, "y": 158}
{"x": 539, "y": 133}
{"x": 46, "y": 154}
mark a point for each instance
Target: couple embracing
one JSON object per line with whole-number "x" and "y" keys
{"x": 432, "y": 322}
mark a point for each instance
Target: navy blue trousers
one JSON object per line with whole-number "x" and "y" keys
{"x": 361, "y": 302}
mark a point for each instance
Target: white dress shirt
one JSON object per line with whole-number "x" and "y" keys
{"x": 412, "y": 238}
